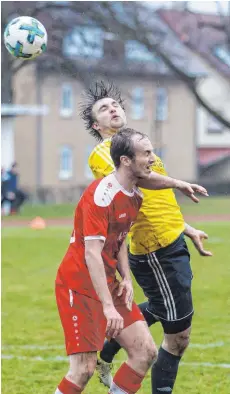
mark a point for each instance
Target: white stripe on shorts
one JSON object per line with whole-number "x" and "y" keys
{"x": 163, "y": 286}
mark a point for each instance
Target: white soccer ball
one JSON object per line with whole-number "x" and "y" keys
{"x": 25, "y": 37}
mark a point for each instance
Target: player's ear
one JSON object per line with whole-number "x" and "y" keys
{"x": 125, "y": 160}
{"x": 96, "y": 126}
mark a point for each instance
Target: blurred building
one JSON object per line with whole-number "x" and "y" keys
{"x": 208, "y": 40}
{"x": 166, "y": 111}
{"x": 53, "y": 150}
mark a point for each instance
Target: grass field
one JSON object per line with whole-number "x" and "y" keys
{"x": 33, "y": 351}
{"x": 206, "y": 206}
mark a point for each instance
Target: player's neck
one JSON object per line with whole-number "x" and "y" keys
{"x": 107, "y": 133}
{"x": 126, "y": 181}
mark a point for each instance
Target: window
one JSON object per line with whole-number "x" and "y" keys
{"x": 66, "y": 162}
{"x": 88, "y": 172}
{"x": 137, "y": 51}
{"x": 214, "y": 127}
{"x": 85, "y": 42}
{"x": 161, "y": 104}
{"x": 138, "y": 107}
{"x": 223, "y": 54}
{"x": 66, "y": 100}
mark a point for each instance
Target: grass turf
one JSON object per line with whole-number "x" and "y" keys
{"x": 206, "y": 206}
{"x": 29, "y": 316}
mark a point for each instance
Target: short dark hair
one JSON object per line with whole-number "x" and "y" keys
{"x": 95, "y": 92}
{"x": 122, "y": 144}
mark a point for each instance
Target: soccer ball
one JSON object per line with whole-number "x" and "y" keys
{"x": 25, "y": 37}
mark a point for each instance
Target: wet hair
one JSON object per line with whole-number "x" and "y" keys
{"x": 94, "y": 93}
{"x": 122, "y": 144}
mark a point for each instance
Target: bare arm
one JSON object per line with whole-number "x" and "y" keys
{"x": 156, "y": 182}
{"x": 123, "y": 262}
{"x": 124, "y": 271}
{"x": 94, "y": 262}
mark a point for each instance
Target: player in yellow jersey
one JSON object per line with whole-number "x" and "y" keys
{"x": 158, "y": 254}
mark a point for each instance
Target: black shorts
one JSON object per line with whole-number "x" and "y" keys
{"x": 165, "y": 276}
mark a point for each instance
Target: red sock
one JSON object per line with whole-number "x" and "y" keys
{"x": 127, "y": 380}
{"x": 67, "y": 387}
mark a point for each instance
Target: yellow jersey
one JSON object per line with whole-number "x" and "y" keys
{"x": 159, "y": 221}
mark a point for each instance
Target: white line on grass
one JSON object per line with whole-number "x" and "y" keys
{"x": 207, "y": 345}
{"x": 61, "y": 359}
{"x": 57, "y": 347}
{"x": 34, "y": 347}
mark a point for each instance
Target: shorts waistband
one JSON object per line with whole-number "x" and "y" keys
{"x": 161, "y": 250}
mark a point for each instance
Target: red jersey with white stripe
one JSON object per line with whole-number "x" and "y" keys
{"x": 105, "y": 211}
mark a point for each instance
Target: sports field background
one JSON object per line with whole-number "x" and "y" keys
{"x": 33, "y": 355}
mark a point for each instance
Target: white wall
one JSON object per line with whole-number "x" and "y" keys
{"x": 7, "y": 142}
{"x": 206, "y": 139}
{"x": 216, "y": 91}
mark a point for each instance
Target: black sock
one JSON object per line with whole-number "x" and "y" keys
{"x": 164, "y": 372}
{"x": 110, "y": 349}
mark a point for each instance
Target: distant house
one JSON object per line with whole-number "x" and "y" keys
{"x": 53, "y": 150}
{"x": 8, "y": 114}
{"x": 205, "y": 37}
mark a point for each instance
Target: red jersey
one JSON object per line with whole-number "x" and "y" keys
{"x": 105, "y": 211}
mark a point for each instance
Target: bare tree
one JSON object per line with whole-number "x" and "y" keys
{"x": 126, "y": 20}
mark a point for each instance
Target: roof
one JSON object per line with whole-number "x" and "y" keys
{"x": 210, "y": 156}
{"x": 119, "y": 64}
{"x": 200, "y": 32}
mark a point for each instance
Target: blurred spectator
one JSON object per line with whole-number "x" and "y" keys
{"x": 10, "y": 190}
{"x": 6, "y": 198}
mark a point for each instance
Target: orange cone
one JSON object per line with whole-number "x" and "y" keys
{"x": 38, "y": 223}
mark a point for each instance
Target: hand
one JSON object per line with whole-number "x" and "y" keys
{"x": 197, "y": 237}
{"x": 115, "y": 322}
{"x": 126, "y": 284}
{"x": 190, "y": 188}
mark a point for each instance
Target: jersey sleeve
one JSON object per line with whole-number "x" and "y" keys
{"x": 100, "y": 161}
{"x": 95, "y": 221}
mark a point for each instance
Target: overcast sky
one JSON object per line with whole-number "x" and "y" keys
{"x": 208, "y": 6}
{"x": 199, "y": 6}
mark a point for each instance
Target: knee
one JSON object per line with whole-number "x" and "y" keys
{"x": 83, "y": 374}
{"x": 177, "y": 343}
{"x": 146, "y": 354}
{"x": 151, "y": 353}
{"x": 182, "y": 342}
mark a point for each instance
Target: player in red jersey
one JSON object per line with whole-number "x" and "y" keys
{"x": 92, "y": 303}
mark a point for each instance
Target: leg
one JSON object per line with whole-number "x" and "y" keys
{"x": 20, "y": 198}
{"x": 143, "y": 275}
{"x": 177, "y": 343}
{"x": 142, "y": 352}
{"x": 84, "y": 328}
{"x": 164, "y": 372}
{"x": 82, "y": 366}
{"x": 173, "y": 268}
{"x": 111, "y": 348}
{"x": 139, "y": 345}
